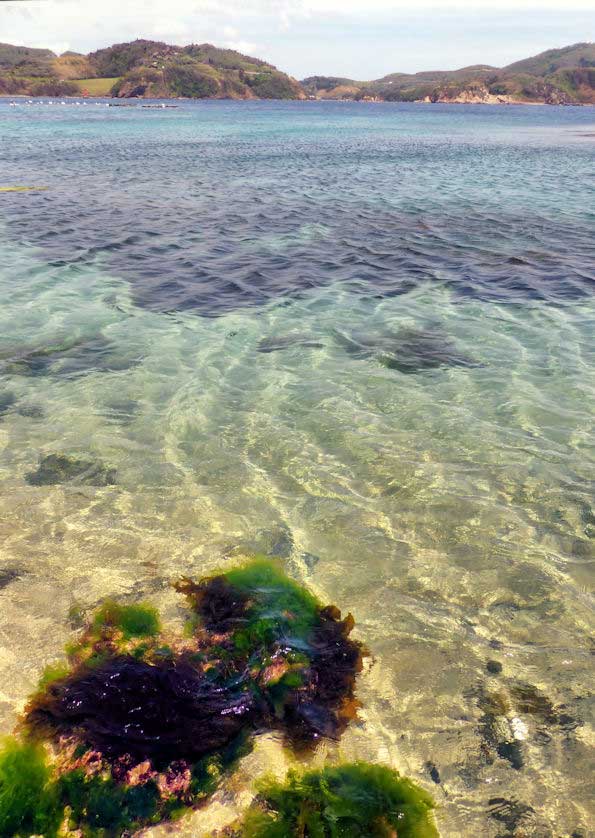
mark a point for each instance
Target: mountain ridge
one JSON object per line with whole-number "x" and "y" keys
{"x": 144, "y": 69}
{"x": 154, "y": 69}
{"x": 564, "y": 76}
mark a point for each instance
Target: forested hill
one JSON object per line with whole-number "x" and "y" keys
{"x": 557, "y": 77}
{"x": 148, "y": 69}
{"x": 152, "y": 69}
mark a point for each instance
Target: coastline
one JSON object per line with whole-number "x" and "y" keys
{"x": 131, "y": 100}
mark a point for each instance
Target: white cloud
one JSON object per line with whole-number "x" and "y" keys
{"x": 246, "y": 47}
{"x": 305, "y": 36}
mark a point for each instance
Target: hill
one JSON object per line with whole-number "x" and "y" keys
{"x": 142, "y": 68}
{"x": 154, "y": 69}
{"x": 558, "y": 76}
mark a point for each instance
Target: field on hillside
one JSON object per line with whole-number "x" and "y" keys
{"x": 96, "y": 87}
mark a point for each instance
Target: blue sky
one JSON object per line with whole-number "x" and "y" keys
{"x": 357, "y": 39}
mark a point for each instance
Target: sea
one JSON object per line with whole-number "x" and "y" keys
{"x": 356, "y": 336}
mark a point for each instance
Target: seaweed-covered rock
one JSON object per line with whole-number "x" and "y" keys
{"x": 144, "y": 725}
{"x": 299, "y": 653}
{"x": 158, "y": 712}
{"x": 61, "y": 468}
{"x": 357, "y": 799}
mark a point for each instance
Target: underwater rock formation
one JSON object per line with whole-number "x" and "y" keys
{"x": 408, "y": 350}
{"x": 10, "y": 574}
{"x": 7, "y": 400}
{"x": 356, "y": 799}
{"x": 70, "y": 358}
{"x": 31, "y": 411}
{"x": 61, "y": 468}
{"x": 144, "y": 726}
{"x": 275, "y": 344}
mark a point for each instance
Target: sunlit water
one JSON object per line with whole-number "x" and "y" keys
{"x": 416, "y": 442}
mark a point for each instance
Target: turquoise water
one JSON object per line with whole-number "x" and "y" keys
{"x": 356, "y": 336}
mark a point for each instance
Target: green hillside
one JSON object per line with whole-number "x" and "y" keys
{"x": 143, "y": 68}
{"x": 546, "y": 63}
{"x": 558, "y": 76}
{"x": 154, "y": 69}
{"x": 11, "y": 56}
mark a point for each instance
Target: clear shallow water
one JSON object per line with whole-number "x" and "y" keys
{"x": 449, "y": 506}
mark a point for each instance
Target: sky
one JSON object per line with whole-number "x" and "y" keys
{"x": 361, "y": 39}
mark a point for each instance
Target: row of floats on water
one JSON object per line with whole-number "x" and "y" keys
{"x": 98, "y": 104}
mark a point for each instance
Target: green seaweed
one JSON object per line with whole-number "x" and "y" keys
{"x": 345, "y": 801}
{"x": 98, "y": 804}
{"x": 53, "y": 672}
{"x": 257, "y": 603}
{"x": 29, "y": 800}
{"x": 137, "y": 620}
{"x": 277, "y": 598}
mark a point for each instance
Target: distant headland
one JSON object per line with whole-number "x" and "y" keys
{"x": 155, "y": 70}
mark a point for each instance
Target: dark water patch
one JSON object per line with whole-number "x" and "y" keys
{"x": 62, "y": 468}
{"x": 391, "y": 211}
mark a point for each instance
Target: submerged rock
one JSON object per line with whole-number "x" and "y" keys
{"x": 355, "y": 799}
{"x": 10, "y": 574}
{"x": 275, "y": 344}
{"x": 502, "y": 733}
{"x": 36, "y": 360}
{"x": 61, "y": 468}
{"x": 31, "y": 411}
{"x": 300, "y": 653}
{"x": 275, "y": 542}
{"x": 7, "y": 401}
{"x": 70, "y": 358}
{"x": 512, "y": 814}
{"x": 408, "y": 350}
